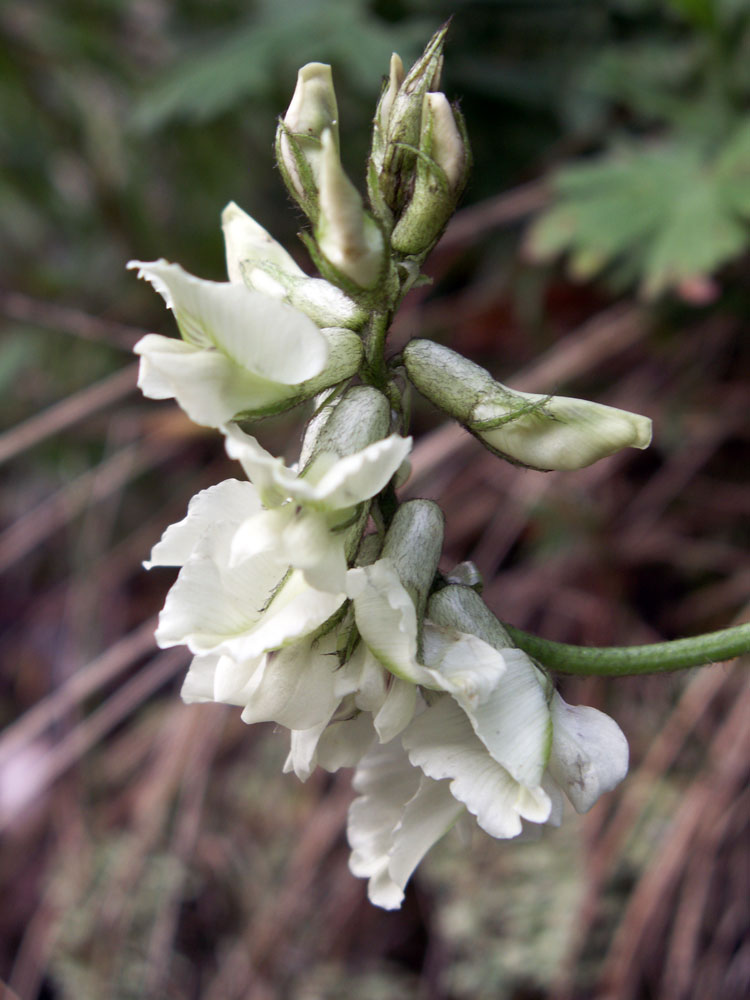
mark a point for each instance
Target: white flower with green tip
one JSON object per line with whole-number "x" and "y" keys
{"x": 242, "y": 352}
{"x": 541, "y": 432}
{"x": 255, "y": 259}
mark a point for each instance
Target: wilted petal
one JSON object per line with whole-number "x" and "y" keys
{"x": 589, "y": 752}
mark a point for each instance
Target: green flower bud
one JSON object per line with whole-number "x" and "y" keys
{"x": 441, "y": 174}
{"x": 349, "y": 238}
{"x": 383, "y": 112}
{"x": 539, "y": 432}
{"x": 462, "y": 608}
{"x": 312, "y": 111}
{"x": 359, "y": 417}
{"x": 399, "y": 124}
{"x": 413, "y": 544}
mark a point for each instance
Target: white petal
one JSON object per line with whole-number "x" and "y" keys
{"x": 296, "y": 686}
{"x": 211, "y": 607}
{"x": 248, "y": 243}
{"x": 228, "y": 502}
{"x": 514, "y": 721}
{"x": 589, "y": 752}
{"x": 310, "y": 545}
{"x": 565, "y": 433}
{"x": 399, "y": 815}
{"x": 296, "y": 611}
{"x": 209, "y": 386}
{"x": 234, "y": 678}
{"x": 344, "y": 743}
{"x": 397, "y": 710}
{"x": 302, "y": 757}
{"x": 261, "y": 334}
{"x": 427, "y": 817}
{"x": 386, "y": 618}
{"x": 356, "y": 477}
{"x": 386, "y": 782}
{"x": 468, "y": 668}
{"x": 198, "y": 685}
{"x": 270, "y": 476}
{"x": 442, "y": 743}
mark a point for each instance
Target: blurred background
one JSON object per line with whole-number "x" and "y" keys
{"x": 153, "y": 850}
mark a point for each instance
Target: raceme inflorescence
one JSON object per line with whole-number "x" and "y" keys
{"x": 309, "y": 595}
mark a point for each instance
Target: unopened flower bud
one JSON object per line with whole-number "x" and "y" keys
{"x": 383, "y": 112}
{"x": 395, "y": 159}
{"x": 312, "y": 111}
{"x": 441, "y": 174}
{"x": 359, "y": 417}
{"x": 413, "y": 544}
{"x": 348, "y": 237}
{"x": 540, "y": 432}
{"x": 462, "y": 608}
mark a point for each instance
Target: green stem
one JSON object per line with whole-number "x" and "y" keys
{"x": 620, "y": 661}
{"x": 374, "y": 338}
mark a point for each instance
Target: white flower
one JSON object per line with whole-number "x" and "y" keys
{"x": 556, "y": 432}
{"x": 241, "y": 610}
{"x": 500, "y": 691}
{"x": 242, "y": 353}
{"x": 307, "y": 525}
{"x": 255, "y": 259}
{"x": 299, "y": 687}
{"x": 414, "y": 788}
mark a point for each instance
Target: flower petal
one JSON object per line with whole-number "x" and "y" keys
{"x": 442, "y": 743}
{"x": 295, "y": 687}
{"x": 399, "y": 815}
{"x": 563, "y": 433}
{"x": 356, "y": 477}
{"x": 261, "y": 334}
{"x": 229, "y": 502}
{"x": 514, "y": 721}
{"x": 589, "y": 752}
{"x": 247, "y": 244}
{"x": 209, "y": 386}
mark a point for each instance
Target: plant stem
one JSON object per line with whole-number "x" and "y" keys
{"x": 374, "y": 338}
{"x": 620, "y": 661}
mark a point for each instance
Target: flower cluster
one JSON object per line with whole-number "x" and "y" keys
{"x": 308, "y": 595}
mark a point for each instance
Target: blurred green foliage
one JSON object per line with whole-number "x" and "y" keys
{"x": 668, "y": 201}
